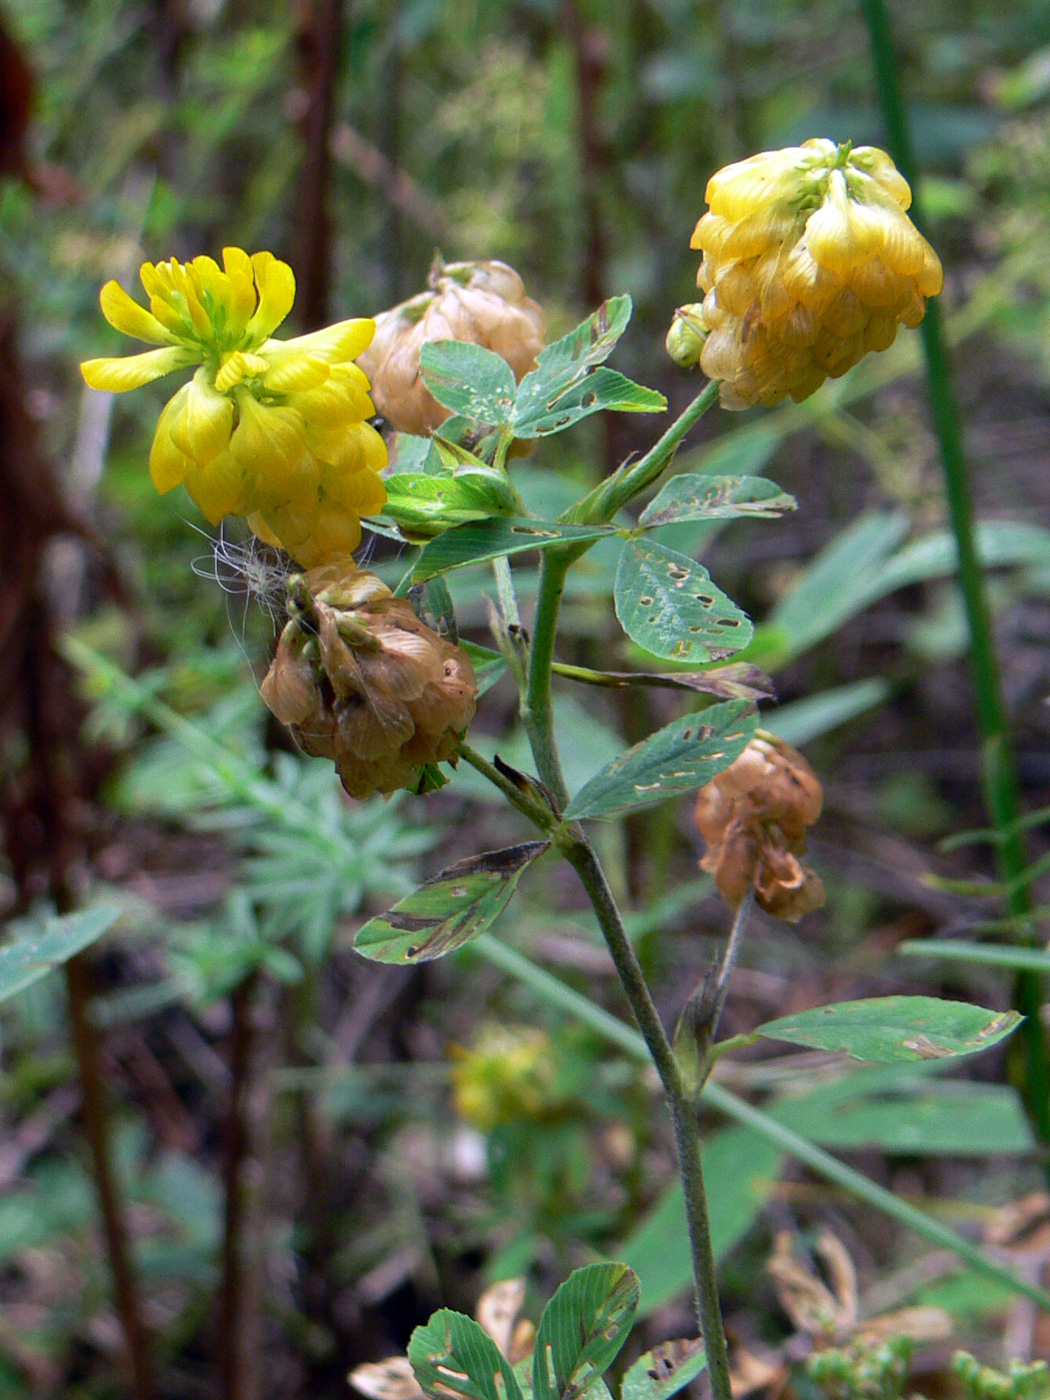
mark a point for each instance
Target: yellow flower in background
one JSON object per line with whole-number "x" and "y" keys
{"x": 274, "y": 430}
{"x": 810, "y": 261}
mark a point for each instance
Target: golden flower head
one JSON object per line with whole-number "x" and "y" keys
{"x": 480, "y": 302}
{"x": 361, "y": 680}
{"x": 810, "y": 261}
{"x": 507, "y": 1074}
{"x": 271, "y": 429}
{"x": 753, "y": 817}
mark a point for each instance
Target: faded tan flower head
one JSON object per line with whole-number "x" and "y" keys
{"x": 754, "y": 817}
{"x": 810, "y": 261}
{"x": 480, "y": 302}
{"x": 361, "y": 680}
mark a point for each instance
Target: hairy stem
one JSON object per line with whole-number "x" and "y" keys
{"x": 999, "y": 768}
{"x": 114, "y": 1225}
{"x": 536, "y": 712}
{"x": 683, "y": 1105}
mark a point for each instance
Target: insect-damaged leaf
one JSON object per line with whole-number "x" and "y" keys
{"x": 696, "y": 496}
{"x": 895, "y": 1028}
{"x": 490, "y": 539}
{"x": 667, "y": 603}
{"x": 664, "y": 1371}
{"x": 679, "y": 758}
{"x": 42, "y": 944}
{"x": 567, "y": 383}
{"x": 453, "y": 1356}
{"x": 469, "y": 380}
{"x": 582, "y": 1330}
{"x": 449, "y": 910}
{"x": 737, "y": 681}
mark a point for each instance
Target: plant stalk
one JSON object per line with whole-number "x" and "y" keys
{"x": 1002, "y": 792}
{"x": 536, "y": 712}
{"x": 114, "y": 1225}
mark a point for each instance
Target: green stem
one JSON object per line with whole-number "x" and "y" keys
{"x": 557, "y": 993}
{"x": 582, "y": 858}
{"x": 999, "y": 769}
{"x": 614, "y": 493}
{"x": 538, "y": 814}
{"x": 536, "y": 712}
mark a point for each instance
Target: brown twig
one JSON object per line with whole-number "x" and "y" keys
{"x": 319, "y": 44}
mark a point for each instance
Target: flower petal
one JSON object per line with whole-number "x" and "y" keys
{"x": 203, "y": 429}
{"x": 125, "y": 314}
{"x": 167, "y": 463}
{"x": 336, "y": 344}
{"x": 218, "y": 488}
{"x": 132, "y": 371}
{"x": 276, "y": 283}
{"x": 292, "y": 373}
{"x": 238, "y": 267}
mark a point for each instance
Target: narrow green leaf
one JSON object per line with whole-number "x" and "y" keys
{"x": 741, "y": 1170}
{"x": 991, "y": 954}
{"x": 702, "y": 497}
{"x": 582, "y": 1330}
{"x": 667, "y": 603}
{"x": 469, "y": 380}
{"x": 814, "y": 715}
{"x": 895, "y": 1028}
{"x": 664, "y": 1371}
{"x": 489, "y": 539}
{"x": 38, "y": 945}
{"x": 449, "y": 910}
{"x": 679, "y": 758}
{"x": 454, "y": 1359}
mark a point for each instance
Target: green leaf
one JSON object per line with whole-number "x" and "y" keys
{"x": 895, "y": 1028}
{"x": 582, "y": 1330}
{"x": 425, "y": 504}
{"x": 667, "y": 603}
{"x": 469, "y": 380}
{"x": 910, "y": 1115}
{"x": 453, "y": 1357}
{"x": 488, "y": 665}
{"x": 740, "y": 1170}
{"x": 567, "y": 383}
{"x": 664, "y": 1371}
{"x": 599, "y": 389}
{"x": 702, "y": 497}
{"x": 489, "y": 539}
{"x": 991, "y": 954}
{"x": 679, "y": 758}
{"x": 448, "y": 910}
{"x": 38, "y": 945}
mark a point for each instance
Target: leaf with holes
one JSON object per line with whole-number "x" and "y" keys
{"x": 679, "y": 758}
{"x": 568, "y": 382}
{"x": 582, "y": 1330}
{"x": 449, "y": 910}
{"x": 470, "y": 380}
{"x": 895, "y": 1028}
{"x": 667, "y": 603}
{"x": 455, "y": 1359}
{"x": 696, "y": 496}
{"x": 664, "y": 1371}
{"x": 490, "y": 539}
{"x": 38, "y": 945}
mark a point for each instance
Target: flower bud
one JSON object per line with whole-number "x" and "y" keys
{"x": 483, "y": 303}
{"x": 688, "y": 333}
{"x": 753, "y": 817}
{"x": 810, "y": 261}
{"x": 360, "y": 679}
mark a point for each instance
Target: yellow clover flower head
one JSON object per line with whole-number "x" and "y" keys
{"x": 274, "y": 430}
{"x": 810, "y": 261}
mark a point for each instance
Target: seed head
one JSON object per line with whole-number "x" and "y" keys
{"x": 361, "y": 680}
{"x": 753, "y": 817}
{"x": 810, "y": 261}
{"x": 274, "y": 430}
{"x": 480, "y": 302}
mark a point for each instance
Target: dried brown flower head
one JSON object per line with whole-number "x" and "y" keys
{"x": 754, "y": 818}
{"x": 480, "y": 302}
{"x": 361, "y": 680}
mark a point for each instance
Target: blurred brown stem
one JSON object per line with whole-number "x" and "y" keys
{"x": 319, "y": 39}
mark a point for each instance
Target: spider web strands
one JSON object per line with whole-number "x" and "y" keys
{"x": 557, "y": 993}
